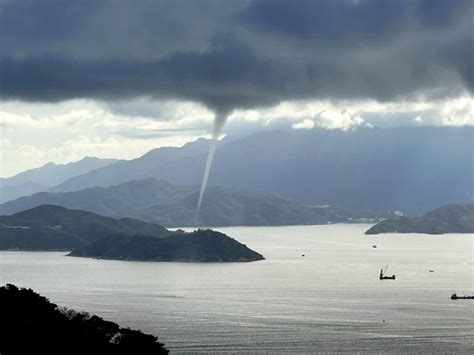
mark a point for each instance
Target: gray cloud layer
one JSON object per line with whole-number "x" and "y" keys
{"x": 229, "y": 54}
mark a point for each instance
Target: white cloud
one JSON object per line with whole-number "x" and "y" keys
{"x": 301, "y": 115}
{"x": 458, "y": 112}
{"x": 6, "y": 143}
{"x": 35, "y": 133}
{"x": 343, "y": 119}
{"x": 305, "y": 124}
{"x": 69, "y": 119}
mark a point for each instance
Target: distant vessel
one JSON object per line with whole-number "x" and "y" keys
{"x": 383, "y": 276}
{"x": 456, "y": 297}
{"x": 374, "y": 246}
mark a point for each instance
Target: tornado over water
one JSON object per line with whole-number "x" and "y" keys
{"x": 218, "y": 124}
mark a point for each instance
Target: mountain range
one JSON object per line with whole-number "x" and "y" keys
{"x": 174, "y": 205}
{"x": 447, "y": 219}
{"x": 367, "y": 168}
{"x": 374, "y": 169}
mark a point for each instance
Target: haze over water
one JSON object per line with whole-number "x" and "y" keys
{"x": 329, "y": 300}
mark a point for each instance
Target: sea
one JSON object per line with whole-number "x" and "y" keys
{"x": 318, "y": 291}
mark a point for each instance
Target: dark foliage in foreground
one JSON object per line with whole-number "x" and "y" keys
{"x": 30, "y": 323}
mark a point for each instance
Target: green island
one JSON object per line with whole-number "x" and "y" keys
{"x": 447, "y": 219}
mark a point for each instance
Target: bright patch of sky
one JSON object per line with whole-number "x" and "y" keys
{"x": 33, "y": 134}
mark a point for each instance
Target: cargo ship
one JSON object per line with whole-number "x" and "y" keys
{"x": 456, "y": 297}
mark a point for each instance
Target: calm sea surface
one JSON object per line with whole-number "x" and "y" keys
{"x": 329, "y": 300}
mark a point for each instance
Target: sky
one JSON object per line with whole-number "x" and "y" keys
{"x": 114, "y": 79}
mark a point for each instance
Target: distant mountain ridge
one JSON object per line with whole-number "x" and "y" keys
{"x": 42, "y": 178}
{"x": 174, "y": 205}
{"x": 447, "y": 219}
{"x": 156, "y": 163}
{"x": 368, "y": 168}
{"x": 105, "y": 200}
{"x": 53, "y": 174}
{"x": 12, "y": 192}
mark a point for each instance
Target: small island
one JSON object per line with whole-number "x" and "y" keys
{"x": 443, "y": 220}
{"x": 198, "y": 246}
{"x": 86, "y": 234}
{"x": 31, "y": 324}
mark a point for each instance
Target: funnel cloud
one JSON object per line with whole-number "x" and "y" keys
{"x": 236, "y": 54}
{"x": 219, "y": 122}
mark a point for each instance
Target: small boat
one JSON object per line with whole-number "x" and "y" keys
{"x": 385, "y": 277}
{"x": 374, "y": 246}
{"x": 431, "y": 270}
{"x": 456, "y": 297}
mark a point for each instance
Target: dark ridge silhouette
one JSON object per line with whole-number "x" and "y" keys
{"x": 31, "y": 324}
{"x": 446, "y": 219}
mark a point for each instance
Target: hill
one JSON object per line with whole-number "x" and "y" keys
{"x": 365, "y": 169}
{"x": 175, "y": 205}
{"x": 230, "y": 207}
{"x": 40, "y": 179}
{"x": 166, "y": 163}
{"x": 198, "y": 246}
{"x": 30, "y": 324}
{"x": 446, "y": 219}
{"x": 106, "y": 200}
{"x": 50, "y": 227}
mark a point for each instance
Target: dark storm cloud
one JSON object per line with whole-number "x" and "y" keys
{"x": 347, "y": 20}
{"x": 234, "y": 53}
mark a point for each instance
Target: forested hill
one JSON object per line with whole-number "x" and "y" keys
{"x": 174, "y": 205}
{"x": 49, "y": 227}
{"x": 87, "y": 234}
{"x": 443, "y": 220}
